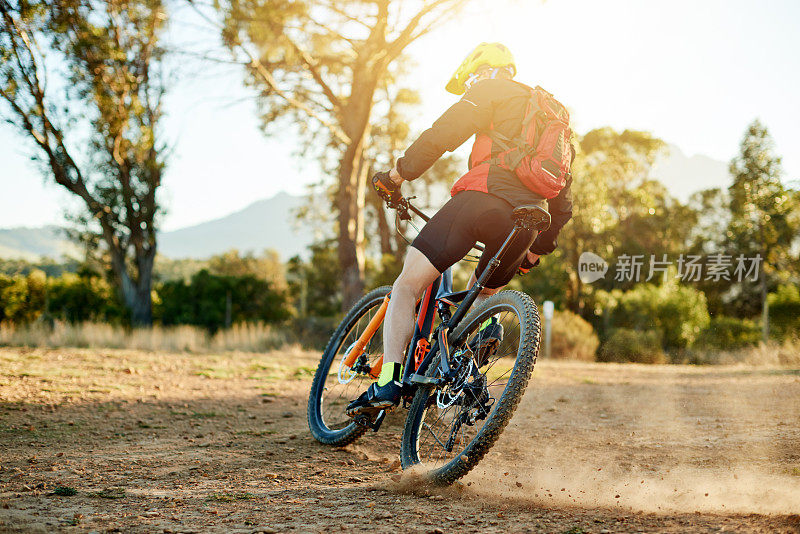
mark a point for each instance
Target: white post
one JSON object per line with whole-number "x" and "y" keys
{"x": 548, "y": 308}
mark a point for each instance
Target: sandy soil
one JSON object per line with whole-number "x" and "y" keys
{"x": 121, "y": 441}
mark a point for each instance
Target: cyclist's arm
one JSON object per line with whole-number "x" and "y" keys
{"x": 560, "y": 208}
{"x": 462, "y": 120}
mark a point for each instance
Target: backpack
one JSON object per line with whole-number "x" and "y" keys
{"x": 542, "y": 154}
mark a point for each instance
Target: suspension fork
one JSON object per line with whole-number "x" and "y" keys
{"x": 365, "y": 338}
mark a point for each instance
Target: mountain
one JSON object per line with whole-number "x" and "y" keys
{"x": 684, "y": 175}
{"x": 268, "y": 223}
{"x": 271, "y": 223}
{"x": 35, "y": 243}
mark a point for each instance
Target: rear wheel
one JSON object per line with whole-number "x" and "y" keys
{"x": 335, "y": 385}
{"x": 450, "y": 428}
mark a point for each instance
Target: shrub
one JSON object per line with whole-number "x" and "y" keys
{"x": 729, "y": 333}
{"x": 314, "y": 285}
{"x": 79, "y": 299}
{"x": 23, "y": 298}
{"x": 680, "y": 313}
{"x": 312, "y": 332}
{"x": 572, "y": 337}
{"x": 210, "y": 301}
{"x": 636, "y": 346}
{"x": 784, "y": 312}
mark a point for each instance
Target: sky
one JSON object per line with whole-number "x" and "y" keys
{"x": 693, "y": 73}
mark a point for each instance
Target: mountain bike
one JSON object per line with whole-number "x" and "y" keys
{"x": 460, "y": 391}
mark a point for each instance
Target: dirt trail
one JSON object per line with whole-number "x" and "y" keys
{"x": 194, "y": 443}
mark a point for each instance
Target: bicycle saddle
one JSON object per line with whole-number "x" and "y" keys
{"x": 532, "y": 217}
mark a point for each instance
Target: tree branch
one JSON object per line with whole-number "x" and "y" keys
{"x": 262, "y": 71}
{"x": 315, "y": 73}
{"x": 344, "y": 14}
{"x": 257, "y": 66}
{"x": 408, "y": 35}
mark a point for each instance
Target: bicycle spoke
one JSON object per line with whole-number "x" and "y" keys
{"x": 337, "y": 395}
{"x": 441, "y": 428}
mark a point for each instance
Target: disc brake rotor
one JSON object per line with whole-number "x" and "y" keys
{"x": 346, "y": 374}
{"x": 448, "y": 395}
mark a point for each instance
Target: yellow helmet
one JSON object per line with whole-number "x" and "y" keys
{"x": 491, "y": 54}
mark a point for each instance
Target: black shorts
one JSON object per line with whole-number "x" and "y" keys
{"x": 468, "y": 217}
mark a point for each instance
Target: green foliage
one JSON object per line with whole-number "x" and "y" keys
{"x": 215, "y": 301}
{"x": 265, "y": 267}
{"x": 314, "y": 285}
{"x": 636, "y": 346}
{"x": 613, "y": 193}
{"x": 728, "y": 333}
{"x": 207, "y": 300}
{"x": 77, "y": 299}
{"x": 71, "y": 297}
{"x": 761, "y": 211}
{"x": 784, "y": 312}
{"x": 547, "y": 281}
{"x": 573, "y": 337}
{"x": 22, "y": 298}
{"x": 677, "y": 312}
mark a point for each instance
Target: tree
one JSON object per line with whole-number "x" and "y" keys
{"x": 608, "y": 171}
{"x": 115, "y": 82}
{"x": 319, "y": 64}
{"x": 761, "y": 212}
{"x": 267, "y": 266}
{"x": 314, "y": 285}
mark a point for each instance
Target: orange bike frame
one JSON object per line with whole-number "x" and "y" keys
{"x": 367, "y": 334}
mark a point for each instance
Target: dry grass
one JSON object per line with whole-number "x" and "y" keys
{"x": 247, "y": 337}
{"x": 241, "y": 337}
{"x": 773, "y": 353}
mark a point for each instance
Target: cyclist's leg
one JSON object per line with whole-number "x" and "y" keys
{"x": 436, "y": 248}
{"x": 443, "y": 241}
{"x": 398, "y": 326}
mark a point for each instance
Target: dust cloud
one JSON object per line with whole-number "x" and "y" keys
{"x": 652, "y": 439}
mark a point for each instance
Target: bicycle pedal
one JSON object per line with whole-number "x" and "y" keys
{"x": 371, "y": 418}
{"x": 378, "y": 421}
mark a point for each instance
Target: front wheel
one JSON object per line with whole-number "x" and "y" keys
{"x": 336, "y": 384}
{"x": 450, "y": 428}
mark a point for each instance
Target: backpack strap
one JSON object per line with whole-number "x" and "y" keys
{"x": 518, "y": 146}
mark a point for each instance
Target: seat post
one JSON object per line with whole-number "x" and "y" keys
{"x": 480, "y": 283}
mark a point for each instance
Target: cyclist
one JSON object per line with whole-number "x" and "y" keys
{"x": 479, "y": 209}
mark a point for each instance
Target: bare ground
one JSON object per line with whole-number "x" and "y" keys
{"x": 196, "y": 443}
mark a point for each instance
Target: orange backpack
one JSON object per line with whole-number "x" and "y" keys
{"x": 542, "y": 154}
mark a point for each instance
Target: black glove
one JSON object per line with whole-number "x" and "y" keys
{"x": 386, "y": 188}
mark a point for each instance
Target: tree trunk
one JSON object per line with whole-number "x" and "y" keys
{"x": 384, "y": 230}
{"x": 136, "y": 294}
{"x": 351, "y": 228}
{"x": 764, "y": 307}
{"x": 352, "y": 179}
